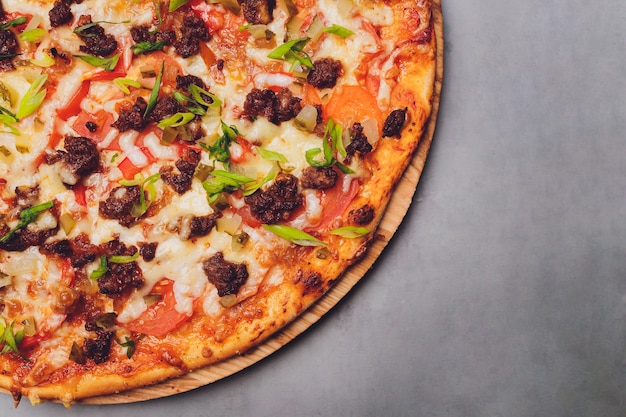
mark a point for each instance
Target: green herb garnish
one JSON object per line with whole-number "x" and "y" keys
{"x": 130, "y": 345}
{"x": 123, "y": 83}
{"x": 350, "y": 232}
{"x": 10, "y": 338}
{"x": 32, "y": 35}
{"x": 295, "y": 236}
{"x": 293, "y": 51}
{"x": 83, "y": 28}
{"x": 176, "y": 4}
{"x": 15, "y": 22}
{"x": 176, "y": 120}
{"x": 108, "y": 64}
{"x": 122, "y": 259}
{"x": 271, "y": 155}
{"x": 332, "y": 144}
{"x": 154, "y": 95}
{"x": 33, "y": 98}
{"x": 338, "y": 30}
{"x": 145, "y": 185}
{"x": 224, "y": 181}
{"x": 220, "y": 151}
{"x": 27, "y": 216}
{"x": 146, "y": 47}
{"x": 102, "y": 269}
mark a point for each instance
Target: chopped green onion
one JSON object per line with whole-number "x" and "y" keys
{"x": 33, "y": 98}
{"x": 130, "y": 345}
{"x": 108, "y": 64}
{"x": 295, "y": 236}
{"x": 82, "y": 28}
{"x": 220, "y": 151}
{"x": 176, "y": 4}
{"x": 27, "y": 216}
{"x": 271, "y": 155}
{"x": 10, "y": 338}
{"x": 350, "y": 232}
{"x": 154, "y": 95}
{"x": 102, "y": 269}
{"x": 221, "y": 181}
{"x": 46, "y": 61}
{"x": 120, "y": 259}
{"x": 176, "y": 120}
{"x": 339, "y": 31}
{"x": 146, "y": 47}
{"x": 15, "y": 22}
{"x": 123, "y": 83}
{"x": 293, "y": 51}
{"x": 33, "y": 35}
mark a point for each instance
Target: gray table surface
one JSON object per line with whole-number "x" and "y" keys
{"x": 504, "y": 292}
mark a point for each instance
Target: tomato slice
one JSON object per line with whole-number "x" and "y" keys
{"x": 80, "y": 194}
{"x": 73, "y": 106}
{"x": 102, "y": 119}
{"x": 352, "y": 103}
{"x": 334, "y": 203}
{"x": 129, "y": 169}
{"x": 161, "y": 317}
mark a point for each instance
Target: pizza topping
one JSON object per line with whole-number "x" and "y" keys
{"x": 98, "y": 349}
{"x": 132, "y": 118}
{"x": 8, "y": 49}
{"x": 186, "y": 165}
{"x": 119, "y": 204}
{"x": 148, "y": 40}
{"x": 227, "y": 277}
{"x": 276, "y": 203}
{"x": 258, "y": 12}
{"x": 275, "y": 107}
{"x": 196, "y": 226}
{"x": 60, "y": 13}
{"x": 325, "y": 73}
{"x": 147, "y": 250}
{"x": 123, "y": 272}
{"x": 192, "y": 32}
{"x": 31, "y": 229}
{"x": 321, "y": 178}
{"x": 394, "y": 123}
{"x": 363, "y": 215}
{"x": 81, "y": 158}
{"x": 97, "y": 42}
{"x": 358, "y": 143}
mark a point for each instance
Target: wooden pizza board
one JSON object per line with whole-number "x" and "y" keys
{"x": 397, "y": 208}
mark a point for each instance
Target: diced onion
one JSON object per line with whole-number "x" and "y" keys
{"x": 26, "y": 263}
{"x": 306, "y": 118}
{"x": 228, "y": 224}
{"x": 370, "y": 130}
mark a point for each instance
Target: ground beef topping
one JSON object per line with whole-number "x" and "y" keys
{"x": 394, "y": 123}
{"x": 96, "y": 41}
{"x": 132, "y": 118}
{"x": 60, "y": 13}
{"x": 358, "y": 143}
{"x": 363, "y": 215}
{"x": 319, "y": 178}
{"x": 277, "y": 202}
{"x": 325, "y": 73}
{"x": 181, "y": 183}
{"x": 258, "y": 12}
{"x": 275, "y": 107}
{"x": 192, "y": 32}
{"x": 98, "y": 349}
{"x": 155, "y": 40}
{"x": 120, "y": 277}
{"x": 8, "y": 49}
{"x": 81, "y": 155}
{"x": 227, "y": 277}
{"x": 119, "y": 204}
{"x": 147, "y": 250}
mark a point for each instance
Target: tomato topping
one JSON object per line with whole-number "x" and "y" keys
{"x": 72, "y": 108}
{"x": 244, "y": 152}
{"x": 212, "y": 18}
{"x": 105, "y": 75}
{"x": 129, "y": 169}
{"x": 154, "y": 60}
{"x": 334, "y": 203}
{"x": 102, "y": 121}
{"x": 161, "y": 317}
{"x": 351, "y": 104}
{"x": 80, "y": 194}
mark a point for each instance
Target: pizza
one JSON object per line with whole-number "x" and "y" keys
{"x": 179, "y": 180}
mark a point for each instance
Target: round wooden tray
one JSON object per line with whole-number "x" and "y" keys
{"x": 397, "y": 208}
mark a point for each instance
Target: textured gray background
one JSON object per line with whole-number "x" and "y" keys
{"x": 504, "y": 292}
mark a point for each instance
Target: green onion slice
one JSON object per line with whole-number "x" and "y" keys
{"x": 102, "y": 269}
{"x": 154, "y": 95}
{"x": 350, "y": 232}
{"x": 108, "y": 64}
{"x": 33, "y": 98}
{"x": 271, "y": 155}
{"x": 32, "y": 35}
{"x": 27, "y": 216}
{"x": 123, "y": 83}
{"x": 120, "y": 259}
{"x": 339, "y": 31}
{"x": 176, "y": 120}
{"x": 177, "y": 4}
{"x": 295, "y": 236}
